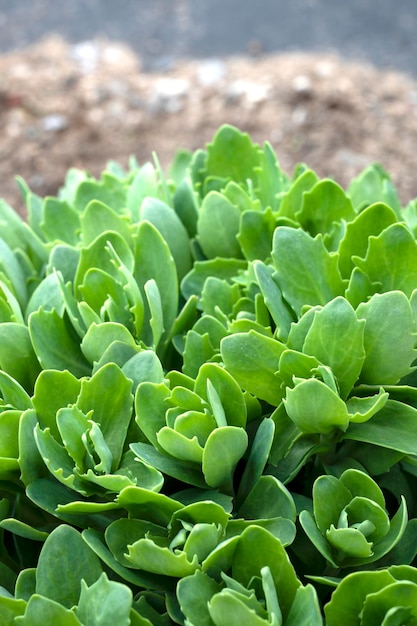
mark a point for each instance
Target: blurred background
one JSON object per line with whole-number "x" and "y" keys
{"x": 328, "y": 82}
{"x": 160, "y": 31}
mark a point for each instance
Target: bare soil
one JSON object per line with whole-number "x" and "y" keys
{"x": 65, "y": 106}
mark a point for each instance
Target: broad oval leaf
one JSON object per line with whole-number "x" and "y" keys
{"x": 306, "y": 272}
{"x": 224, "y": 448}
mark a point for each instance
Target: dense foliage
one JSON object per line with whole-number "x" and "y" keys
{"x": 208, "y": 398}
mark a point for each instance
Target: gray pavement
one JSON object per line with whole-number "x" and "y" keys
{"x": 380, "y": 31}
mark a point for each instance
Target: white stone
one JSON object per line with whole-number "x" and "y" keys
{"x": 211, "y": 72}
{"x": 54, "y": 122}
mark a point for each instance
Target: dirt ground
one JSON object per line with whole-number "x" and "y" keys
{"x": 80, "y": 105}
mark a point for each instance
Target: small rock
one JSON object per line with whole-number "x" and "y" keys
{"x": 169, "y": 95}
{"x": 253, "y": 93}
{"x": 299, "y": 116}
{"x": 302, "y": 85}
{"x": 211, "y": 72}
{"x": 54, "y": 123}
{"x": 86, "y": 54}
{"x": 324, "y": 69}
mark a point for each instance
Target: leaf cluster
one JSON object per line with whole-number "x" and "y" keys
{"x": 208, "y": 399}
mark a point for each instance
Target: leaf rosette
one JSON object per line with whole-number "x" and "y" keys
{"x": 387, "y": 596}
{"x": 197, "y": 429}
{"x": 350, "y": 525}
{"x": 258, "y": 588}
{"x": 82, "y": 442}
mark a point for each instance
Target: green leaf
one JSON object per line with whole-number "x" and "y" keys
{"x": 106, "y": 296}
{"x": 169, "y": 225}
{"x": 252, "y": 359}
{"x": 98, "y": 218}
{"x": 153, "y": 260}
{"x": 372, "y": 185}
{"x": 54, "y": 389}
{"x": 268, "y": 499}
{"x": 232, "y": 155}
{"x": 389, "y": 428}
{"x": 148, "y": 505}
{"x": 108, "y": 393}
{"x": 334, "y": 327}
{"x": 99, "y": 255}
{"x": 217, "y": 227}
{"x": 73, "y": 427}
{"x": 186, "y": 204}
{"x": 194, "y": 592}
{"x": 400, "y": 597}
{"x": 294, "y": 364}
{"x": 291, "y": 201}
{"x": 60, "y": 222}
{"x": 278, "y": 308}
{"x": 194, "y": 424}
{"x": 224, "y": 448}
{"x": 55, "y": 343}
{"x": 362, "y": 409}
{"x": 389, "y": 338}
{"x": 26, "y": 584}
{"x": 271, "y": 179}
{"x": 30, "y": 461}
{"x": 147, "y": 555}
{"x": 202, "y": 540}
{"x": 144, "y": 184}
{"x": 269, "y": 552}
{"x": 391, "y": 259}
{"x": 255, "y": 234}
{"x": 57, "y": 460}
{"x": 258, "y": 457}
{"x": 317, "y": 539}
{"x": 219, "y": 294}
{"x": 305, "y": 610}
{"x": 225, "y": 269}
{"x": 21, "y": 529}
{"x": 104, "y": 603}
{"x": 64, "y": 259}
{"x": 324, "y": 205}
{"x": 227, "y": 609}
{"x": 47, "y": 295}
{"x": 371, "y": 221}
{"x": 315, "y": 408}
{"x": 150, "y": 408}
{"x": 41, "y": 611}
{"x": 330, "y": 497}
{"x": 17, "y": 233}
{"x": 108, "y": 190}
{"x": 180, "y": 446}
{"x": 346, "y": 603}
{"x": 213, "y": 383}
{"x": 360, "y": 484}
{"x": 349, "y": 542}
{"x": 156, "y": 320}
{"x": 198, "y": 350}
{"x": 65, "y": 557}
{"x": 13, "y": 393}
{"x": 143, "y": 366}
{"x": 9, "y": 427}
{"x": 360, "y": 288}
{"x": 95, "y": 541}
{"x": 306, "y": 272}
{"x": 12, "y": 270}
{"x": 100, "y": 336}
{"x": 9, "y": 609}
{"x": 17, "y": 356}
